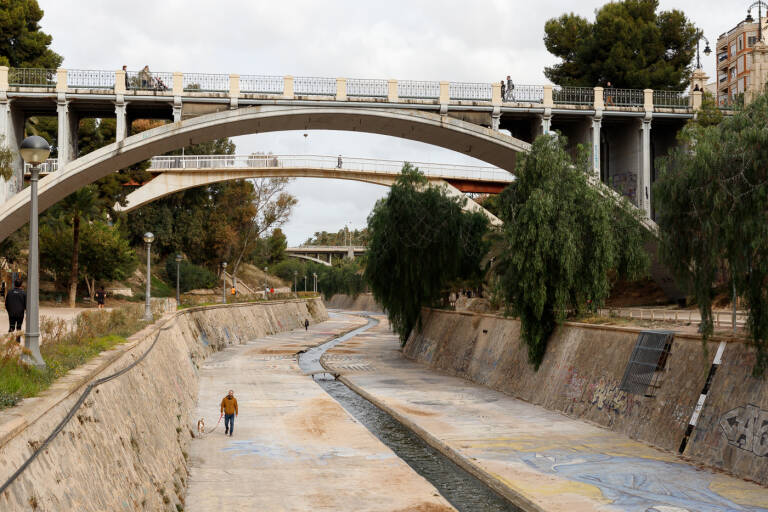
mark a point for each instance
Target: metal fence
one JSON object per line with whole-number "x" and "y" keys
{"x": 418, "y": 89}
{"x": 49, "y": 166}
{"x": 205, "y": 82}
{"x": 525, "y": 94}
{"x": 573, "y": 95}
{"x": 32, "y": 77}
{"x": 314, "y": 86}
{"x": 367, "y": 88}
{"x": 623, "y": 97}
{"x": 670, "y": 99}
{"x": 149, "y": 81}
{"x": 90, "y": 79}
{"x": 648, "y": 357}
{"x": 470, "y": 91}
{"x": 262, "y": 84}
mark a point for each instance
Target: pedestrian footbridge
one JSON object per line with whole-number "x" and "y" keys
{"x": 325, "y": 254}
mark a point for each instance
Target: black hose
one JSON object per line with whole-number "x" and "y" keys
{"x": 73, "y": 410}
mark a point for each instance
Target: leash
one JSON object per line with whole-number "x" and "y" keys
{"x": 213, "y": 429}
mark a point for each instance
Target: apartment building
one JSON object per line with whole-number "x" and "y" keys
{"x": 734, "y": 59}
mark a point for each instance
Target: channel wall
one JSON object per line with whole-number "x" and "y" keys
{"x": 125, "y": 448}
{"x": 582, "y": 372}
{"x": 360, "y": 302}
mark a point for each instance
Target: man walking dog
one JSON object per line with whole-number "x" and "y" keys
{"x": 229, "y": 409}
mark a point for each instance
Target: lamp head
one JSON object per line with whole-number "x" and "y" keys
{"x": 707, "y": 50}
{"x": 149, "y": 237}
{"x": 34, "y": 150}
{"x": 749, "y": 18}
{"x": 179, "y": 257}
{"x": 223, "y": 264}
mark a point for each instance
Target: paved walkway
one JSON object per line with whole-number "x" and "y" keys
{"x": 553, "y": 462}
{"x": 295, "y": 448}
{"x": 68, "y": 314}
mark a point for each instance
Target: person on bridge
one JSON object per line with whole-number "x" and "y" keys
{"x": 503, "y": 91}
{"x": 338, "y": 163}
{"x": 16, "y": 305}
{"x": 229, "y": 409}
{"x": 145, "y": 76}
{"x": 125, "y": 74}
{"x": 510, "y": 89}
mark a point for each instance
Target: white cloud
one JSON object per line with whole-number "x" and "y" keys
{"x": 483, "y": 40}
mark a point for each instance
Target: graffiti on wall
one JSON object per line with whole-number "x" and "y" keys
{"x": 746, "y": 428}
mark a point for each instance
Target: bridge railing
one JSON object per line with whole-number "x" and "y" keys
{"x": 314, "y": 86}
{"x": 31, "y": 77}
{"x": 470, "y": 91}
{"x": 525, "y": 93}
{"x": 49, "y": 166}
{"x": 261, "y": 84}
{"x": 90, "y": 79}
{"x": 418, "y": 89}
{"x": 573, "y": 95}
{"x": 150, "y": 80}
{"x": 360, "y": 87}
{"x": 623, "y": 97}
{"x": 674, "y": 99}
{"x": 348, "y": 164}
{"x": 205, "y": 82}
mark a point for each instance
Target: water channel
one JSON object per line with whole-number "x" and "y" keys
{"x": 463, "y": 490}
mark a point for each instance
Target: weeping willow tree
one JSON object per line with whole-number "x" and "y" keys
{"x": 712, "y": 204}
{"x": 420, "y": 240}
{"x": 562, "y": 237}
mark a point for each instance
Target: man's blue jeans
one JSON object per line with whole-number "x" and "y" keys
{"x": 229, "y": 423}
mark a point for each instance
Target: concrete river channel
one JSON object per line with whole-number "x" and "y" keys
{"x": 465, "y": 492}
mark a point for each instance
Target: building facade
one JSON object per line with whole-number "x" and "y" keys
{"x": 734, "y": 60}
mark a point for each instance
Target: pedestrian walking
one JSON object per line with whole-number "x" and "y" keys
{"x": 145, "y": 76}
{"x": 229, "y": 409}
{"x": 16, "y": 305}
{"x": 510, "y": 89}
{"x": 125, "y": 74}
{"x": 609, "y": 93}
{"x": 503, "y": 91}
{"x": 101, "y": 296}
{"x": 306, "y": 324}
{"x": 338, "y": 162}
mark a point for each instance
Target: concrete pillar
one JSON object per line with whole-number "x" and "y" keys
{"x": 121, "y": 121}
{"x": 120, "y": 82}
{"x": 177, "y": 105}
{"x": 64, "y": 145}
{"x": 3, "y": 79}
{"x": 5, "y": 117}
{"x": 61, "y": 80}
{"x": 546, "y": 121}
{"x": 288, "y": 87}
{"x": 599, "y": 101}
{"x": 341, "y": 89}
{"x": 696, "y": 100}
{"x": 548, "y": 98}
{"x": 645, "y": 167}
{"x": 445, "y": 96}
{"x": 14, "y": 133}
{"x": 758, "y": 73}
{"x": 234, "y": 91}
{"x": 648, "y": 100}
{"x": 597, "y": 122}
{"x": 392, "y": 95}
{"x": 178, "y": 83}
{"x": 496, "y": 94}
{"x": 73, "y": 124}
{"x": 496, "y": 118}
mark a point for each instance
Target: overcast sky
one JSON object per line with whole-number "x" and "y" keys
{"x": 475, "y": 40}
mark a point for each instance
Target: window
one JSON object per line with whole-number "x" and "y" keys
{"x": 732, "y": 74}
{"x": 733, "y": 49}
{"x": 741, "y": 43}
{"x": 740, "y": 65}
{"x": 751, "y": 40}
{"x": 647, "y": 363}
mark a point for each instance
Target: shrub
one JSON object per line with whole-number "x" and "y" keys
{"x": 191, "y": 276}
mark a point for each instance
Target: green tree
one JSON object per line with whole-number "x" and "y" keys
{"x": 23, "y": 44}
{"x": 276, "y": 245}
{"x": 629, "y": 44}
{"x": 561, "y": 239}
{"x": 191, "y": 276}
{"x": 711, "y": 200}
{"x": 420, "y": 240}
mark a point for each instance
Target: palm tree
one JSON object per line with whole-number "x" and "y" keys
{"x": 80, "y": 205}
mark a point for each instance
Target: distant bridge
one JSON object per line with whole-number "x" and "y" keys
{"x": 316, "y": 253}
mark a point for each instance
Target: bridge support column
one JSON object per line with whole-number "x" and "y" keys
{"x": 12, "y": 129}
{"x": 546, "y": 121}
{"x": 645, "y": 167}
{"x": 176, "y": 109}
{"x": 121, "y": 119}
{"x": 496, "y": 118}
{"x": 63, "y": 132}
{"x": 597, "y": 122}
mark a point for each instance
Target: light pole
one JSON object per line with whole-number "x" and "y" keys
{"x": 295, "y": 288}
{"x": 148, "y": 239}
{"x": 265, "y": 282}
{"x": 305, "y": 283}
{"x": 749, "y": 19}
{"x": 315, "y": 276}
{"x": 178, "y": 263}
{"x": 707, "y": 49}
{"x": 34, "y": 151}
{"x": 224, "y": 282}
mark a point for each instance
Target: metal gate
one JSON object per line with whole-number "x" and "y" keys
{"x": 648, "y": 360}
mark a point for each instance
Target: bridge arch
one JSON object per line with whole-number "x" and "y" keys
{"x": 479, "y": 142}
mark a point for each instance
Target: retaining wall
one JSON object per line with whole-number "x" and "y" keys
{"x": 581, "y": 374}
{"x": 362, "y": 302}
{"x": 125, "y": 448}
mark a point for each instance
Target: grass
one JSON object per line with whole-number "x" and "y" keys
{"x": 64, "y": 347}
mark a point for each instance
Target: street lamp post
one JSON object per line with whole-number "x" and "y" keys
{"x": 265, "y": 282}
{"x": 34, "y": 151}
{"x": 224, "y": 282}
{"x": 178, "y": 264}
{"x": 295, "y": 288}
{"x": 707, "y": 49}
{"x": 148, "y": 239}
{"x": 305, "y": 283}
{"x": 749, "y": 19}
{"x": 314, "y": 274}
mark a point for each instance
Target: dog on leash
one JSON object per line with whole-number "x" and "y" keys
{"x": 201, "y": 426}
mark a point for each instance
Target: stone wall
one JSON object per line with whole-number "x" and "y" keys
{"x": 581, "y": 374}
{"x": 362, "y": 302}
{"x": 125, "y": 447}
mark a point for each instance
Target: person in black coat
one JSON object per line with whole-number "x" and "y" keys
{"x": 16, "y": 305}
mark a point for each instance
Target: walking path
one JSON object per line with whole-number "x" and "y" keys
{"x": 67, "y": 314}
{"x": 294, "y": 447}
{"x": 545, "y": 459}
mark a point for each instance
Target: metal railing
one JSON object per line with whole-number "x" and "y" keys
{"x": 205, "y": 82}
{"x": 32, "y": 77}
{"x": 367, "y": 88}
{"x": 573, "y": 95}
{"x": 314, "y": 86}
{"x": 366, "y": 165}
{"x": 262, "y": 84}
{"x": 418, "y": 89}
{"x": 689, "y": 316}
{"x": 90, "y": 79}
{"x": 525, "y": 94}
{"x": 670, "y": 99}
{"x": 49, "y": 166}
{"x": 470, "y": 91}
{"x": 623, "y": 97}
{"x": 150, "y": 81}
